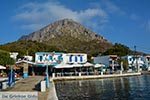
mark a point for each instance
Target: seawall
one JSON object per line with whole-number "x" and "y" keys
{"x": 93, "y": 76}
{"x": 53, "y": 94}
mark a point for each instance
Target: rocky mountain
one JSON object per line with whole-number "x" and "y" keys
{"x": 66, "y": 27}
{"x": 68, "y": 35}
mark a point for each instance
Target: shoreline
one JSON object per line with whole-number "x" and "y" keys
{"x": 67, "y": 78}
{"x": 53, "y": 94}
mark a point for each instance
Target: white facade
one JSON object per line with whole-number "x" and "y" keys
{"x": 134, "y": 61}
{"x": 146, "y": 60}
{"x": 72, "y": 58}
{"x": 48, "y": 57}
{"x": 13, "y": 55}
{"x": 108, "y": 60}
{"x": 60, "y": 58}
{"x": 29, "y": 58}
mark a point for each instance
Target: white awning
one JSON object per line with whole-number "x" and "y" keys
{"x": 88, "y": 64}
{"x": 99, "y": 65}
{"x": 2, "y": 67}
{"x": 64, "y": 66}
{"x": 25, "y": 61}
{"x": 77, "y": 65}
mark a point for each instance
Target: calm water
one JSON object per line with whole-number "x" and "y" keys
{"x": 127, "y": 88}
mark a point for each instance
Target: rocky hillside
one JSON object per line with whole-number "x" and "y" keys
{"x": 69, "y": 36}
{"x": 66, "y": 27}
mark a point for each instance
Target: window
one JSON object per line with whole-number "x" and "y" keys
{"x": 41, "y": 57}
{"x": 81, "y": 58}
{"x": 60, "y": 58}
{"x": 110, "y": 62}
{"x": 76, "y": 58}
{"x": 130, "y": 59}
{"x": 50, "y": 58}
{"x": 70, "y": 58}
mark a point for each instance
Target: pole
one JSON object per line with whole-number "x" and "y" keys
{"x": 113, "y": 65}
{"x": 47, "y": 76}
{"x": 136, "y": 60}
{"x": 10, "y": 77}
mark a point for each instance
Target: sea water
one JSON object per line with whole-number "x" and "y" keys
{"x": 123, "y": 88}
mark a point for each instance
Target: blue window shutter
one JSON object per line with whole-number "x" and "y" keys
{"x": 40, "y": 57}
{"x": 60, "y": 58}
{"x": 70, "y": 59}
{"x": 81, "y": 59}
{"x": 49, "y": 58}
{"x": 76, "y": 58}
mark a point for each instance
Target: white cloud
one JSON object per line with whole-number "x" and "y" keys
{"x": 109, "y": 7}
{"x": 134, "y": 17}
{"x": 31, "y": 26}
{"x": 34, "y": 15}
{"x": 112, "y": 8}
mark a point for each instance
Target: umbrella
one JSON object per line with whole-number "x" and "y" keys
{"x": 99, "y": 65}
{"x": 2, "y": 67}
{"x": 87, "y": 64}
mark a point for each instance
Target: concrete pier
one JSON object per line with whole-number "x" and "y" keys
{"x": 52, "y": 94}
{"x": 31, "y": 83}
{"x": 93, "y": 76}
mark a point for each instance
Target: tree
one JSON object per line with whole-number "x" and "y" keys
{"x": 5, "y": 58}
{"x": 118, "y": 49}
{"x": 125, "y": 64}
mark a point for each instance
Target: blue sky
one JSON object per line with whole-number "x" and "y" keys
{"x": 119, "y": 21}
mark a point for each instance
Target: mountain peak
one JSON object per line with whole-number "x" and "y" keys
{"x": 65, "y": 27}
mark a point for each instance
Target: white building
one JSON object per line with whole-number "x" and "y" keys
{"x": 146, "y": 60}
{"x": 28, "y": 58}
{"x": 60, "y": 58}
{"x": 13, "y": 55}
{"x": 73, "y": 58}
{"x": 48, "y": 57}
{"x": 108, "y": 60}
{"x": 134, "y": 61}
{"x": 60, "y": 62}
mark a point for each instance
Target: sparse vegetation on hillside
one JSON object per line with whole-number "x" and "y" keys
{"x": 92, "y": 48}
{"x": 30, "y": 47}
{"x": 58, "y": 44}
{"x": 118, "y": 49}
{"x": 5, "y": 58}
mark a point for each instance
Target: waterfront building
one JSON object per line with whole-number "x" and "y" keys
{"x": 108, "y": 60}
{"x": 24, "y": 67}
{"x": 146, "y": 60}
{"x": 60, "y": 58}
{"x": 61, "y": 62}
{"x": 28, "y": 58}
{"x": 50, "y": 58}
{"x": 134, "y": 62}
{"x": 75, "y": 58}
{"x": 13, "y": 55}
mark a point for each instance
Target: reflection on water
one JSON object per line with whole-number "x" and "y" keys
{"x": 127, "y": 88}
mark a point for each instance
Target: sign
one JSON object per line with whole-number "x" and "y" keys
{"x": 18, "y": 95}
